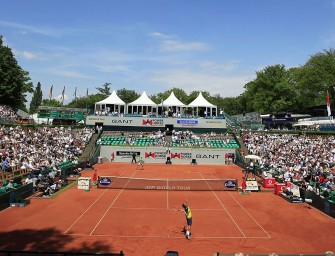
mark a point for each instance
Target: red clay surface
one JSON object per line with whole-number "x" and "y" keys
{"x": 141, "y": 222}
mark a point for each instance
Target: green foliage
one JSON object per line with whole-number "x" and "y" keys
{"x": 127, "y": 95}
{"x": 270, "y": 92}
{"x": 51, "y": 103}
{"x": 179, "y": 93}
{"x": 14, "y": 81}
{"x": 194, "y": 94}
{"x": 105, "y": 89}
{"x": 274, "y": 89}
{"x": 36, "y": 99}
{"x": 86, "y": 102}
{"x": 318, "y": 77}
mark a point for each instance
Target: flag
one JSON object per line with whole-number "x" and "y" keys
{"x": 328, "y": 105}
{"x": 50, "y": 92}
{"x": 75, "y": 93}
{"x": 63, "y": 95}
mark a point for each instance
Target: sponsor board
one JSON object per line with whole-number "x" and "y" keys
{"x": 209, "y": 156}
{"x": 122, "y": 121}
{"x": 156, "y": 122}
{"x": 127, "y": 154}
{"x": 156, "y": 155}
{"x": 187, "y": 122}
{"x": 84, "y": 183}
{"x": 153, "y": 122}
{"x": 96, "y": 119}
{"x": 214, "y": 122}
{"x": 181, "y": 155}
{"x": 251, "y": 185}
{"x": 231, "y": 184}
{"x": 104, "y": 182}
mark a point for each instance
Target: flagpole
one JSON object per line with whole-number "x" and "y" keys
{"x": 63, "y": 93}
{"x": 75, "y": 93}
{"x": 86, "y": 102}
{"x": 50, "y": 92}
{"x": 328, "y": 105}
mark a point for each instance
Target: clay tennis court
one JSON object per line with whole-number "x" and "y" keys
{"x": 146, "y": 222}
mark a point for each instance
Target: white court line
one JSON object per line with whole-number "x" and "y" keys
{"x": 247, "y": 213}
{"x": 224, "y": 208}
{"x": 173, "y": 237}
{"x": 153, "y": 208}
{"x": 167, "y": 199}
{"x": 250, "y": 215}
{"x": 85, "y": 212}
{"x": 103, "y": 216}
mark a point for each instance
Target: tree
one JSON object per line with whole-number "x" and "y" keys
{"x": 318, "y": 77}
{"x": 105, "y": 89}
{"x": 270, "y": 92}
{"x": 234, "y": 105}
{"x": 179, "y": 93}
{"x": 36, "y": 99}
{"x": 14, "y": 81}
{"x": 194, "y": 94}
{"x": 86, "y": 102}
{"x": 127, "y": 95}
{"x": 51, "y": 103}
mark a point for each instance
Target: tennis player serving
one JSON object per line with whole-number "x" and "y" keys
{"x": 188, "y": 214}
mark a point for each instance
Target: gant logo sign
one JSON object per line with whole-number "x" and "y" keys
{"x": 208, "y": 156}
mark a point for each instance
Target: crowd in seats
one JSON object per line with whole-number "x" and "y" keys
{"x": 37, "y": 151}
{"x": 159, "y": 138}
{"x": 7, "y": 114}
{"x": 166, "y": 114}
{"x": 306, "y": 160}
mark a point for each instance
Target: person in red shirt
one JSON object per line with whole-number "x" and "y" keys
{"x": 95, "y": 178}
{"x": 244, "y": 185}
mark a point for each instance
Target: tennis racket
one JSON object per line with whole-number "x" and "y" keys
{"x": 176, "y": 209}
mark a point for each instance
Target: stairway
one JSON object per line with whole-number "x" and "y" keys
{"x": 89, "y": 148}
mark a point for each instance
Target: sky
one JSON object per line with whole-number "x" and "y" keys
{"x": 155, "y": 45}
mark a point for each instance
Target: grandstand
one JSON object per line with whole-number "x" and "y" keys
{"x": 114, "y": 138}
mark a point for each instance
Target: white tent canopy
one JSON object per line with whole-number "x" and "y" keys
{"x": 204, "y": 105}
{"x": 143, "y": 105}
{"x": 111, "y": 104}
{"x": 173, "y": 102}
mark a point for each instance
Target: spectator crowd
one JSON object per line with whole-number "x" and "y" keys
{"x": 307, "y": 160}
{"x": 184, "y": 138}
{"x": 40, "y": 151}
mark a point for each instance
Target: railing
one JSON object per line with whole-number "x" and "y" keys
{"x": 27, "y": 253}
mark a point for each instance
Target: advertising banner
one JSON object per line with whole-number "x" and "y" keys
{"x": 161, "y": 154}
{"x": 84, "y": 183}
{"x": 157, "y": 122}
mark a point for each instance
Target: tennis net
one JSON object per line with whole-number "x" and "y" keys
{"x": 116, "y": 182}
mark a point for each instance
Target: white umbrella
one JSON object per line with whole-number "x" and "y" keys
{"x": 253, "y": 157}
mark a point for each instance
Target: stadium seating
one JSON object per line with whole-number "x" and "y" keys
{"x": 112, "y": 140}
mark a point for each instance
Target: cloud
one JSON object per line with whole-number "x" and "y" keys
{"x": 113, "y": 68}
{"x": 67, "y": 73}
{"x": 226, "y": 86}
{"x": 59, "y": 97}
{"x": 219, "y": 67}
{"x": 169, "y": 43}
{"x": 31, "y": 56}
{"x": 24, "y": 28}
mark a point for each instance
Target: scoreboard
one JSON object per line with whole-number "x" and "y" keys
{"x": 61, "y": 113}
